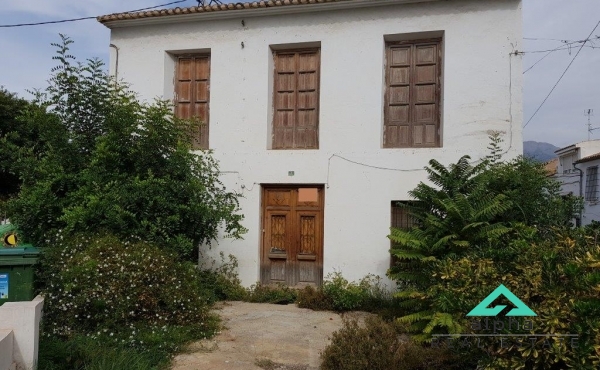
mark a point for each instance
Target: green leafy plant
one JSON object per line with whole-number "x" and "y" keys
{"x": 315, "y": 299}
{"x": 106, "y": 161}
{"x": 499, "y": 223}
{"x": 222, "y": 279}
{"x": 13, "y": 134}
{"x": 338, "y": 294}
{"x": 377, "y": 344}
{"x": 122, "y": 292}
{"x": 277, "y": 294}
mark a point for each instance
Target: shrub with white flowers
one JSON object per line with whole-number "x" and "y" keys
{"x": 107, "y": 286}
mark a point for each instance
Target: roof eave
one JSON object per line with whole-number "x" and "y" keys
{"x": 254, "y": 12}
{"x": 566, "y": 149}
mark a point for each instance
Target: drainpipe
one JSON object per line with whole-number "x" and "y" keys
{"x": 580, "y": 221}
{"x": 116, "y": 62}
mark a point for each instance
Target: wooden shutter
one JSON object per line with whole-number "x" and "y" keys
{"x": 192, "y": 92}
{"x": 296, "y": 100}
{"x": 412, "y": 98}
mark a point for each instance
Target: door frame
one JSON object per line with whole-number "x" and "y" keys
{"x": 261, "y": 247}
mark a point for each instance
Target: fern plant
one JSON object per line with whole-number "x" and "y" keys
{"x": 453, "y": 217}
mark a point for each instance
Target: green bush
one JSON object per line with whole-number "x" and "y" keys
{"x": 223, "y": 280}
{"x": 84, "y": 353}
{"x": 314, "y": 299}
{"x": 466, "y": 243}
{"x": 379, "y": 345}
{"x": 278, "y": 294}
{"x": 104, "y": 160}
{"x": 132, "y": 292}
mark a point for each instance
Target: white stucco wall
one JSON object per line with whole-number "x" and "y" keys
{"x": 22, "y": 320}
{"x": 481, "y": 92}
{"x": 567, "y": 173}
{"x": 591, "y": 209}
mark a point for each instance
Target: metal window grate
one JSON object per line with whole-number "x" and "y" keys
{"x": 400, "y": 219}
{"x": 591, "y": 184}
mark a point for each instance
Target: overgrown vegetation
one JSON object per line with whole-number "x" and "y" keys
{"x": 107, "y": 161}
{"x": 338, "y": 294}
{"x": 221, "y": 278}
{"x": 123, "y": 297}
{"x": 380, "y": 345}
{"x": 108, "y": 186}
{"x": 13, "y": 135}
{"x": 479, "y": 226}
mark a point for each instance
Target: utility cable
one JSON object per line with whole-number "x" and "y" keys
{"x": 561, "y": 77}
{"x": 85, "y": 18}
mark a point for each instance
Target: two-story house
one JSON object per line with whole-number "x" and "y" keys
{"x": 324, "y": 113}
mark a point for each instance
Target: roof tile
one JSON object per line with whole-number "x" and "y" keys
{"x": 210, "y": 8}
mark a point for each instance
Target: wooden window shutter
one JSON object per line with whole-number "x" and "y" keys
{"x": 412, "y": 97}
{"x": 296, "y": 99}
{"x": 192, "y": 94}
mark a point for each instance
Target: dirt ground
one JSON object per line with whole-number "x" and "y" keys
{"x": 272, "y": 336}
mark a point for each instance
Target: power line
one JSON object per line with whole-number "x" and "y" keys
{"x": 536, "y": 63}
{"x": 543, "y": 39}
{"x": 85, "y": 18}
{"x": 562, "y": 47}
{"x": 561, "y": 77}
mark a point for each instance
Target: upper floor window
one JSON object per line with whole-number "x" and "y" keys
{"x": 192, "y": 93}
{"x": 296, "y": 99}
{"x": 412, "y": 95}
{"x": 591, "y": 184}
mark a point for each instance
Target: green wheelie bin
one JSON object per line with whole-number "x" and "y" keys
{"x": 17, "y": 262}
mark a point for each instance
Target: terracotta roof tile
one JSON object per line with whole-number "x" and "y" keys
{"x": 589, "y": 158}
{"x": 210, "y": 8}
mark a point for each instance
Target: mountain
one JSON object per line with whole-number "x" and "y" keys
{"x": 541, "y": 152}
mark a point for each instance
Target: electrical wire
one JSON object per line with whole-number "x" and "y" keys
{"x": 562, "y": 47}
{"x": 536, "y": 63}
{"x": 561, "y": 77}
{"x": 543, "y": 39}
{"x": 85, "y": 18}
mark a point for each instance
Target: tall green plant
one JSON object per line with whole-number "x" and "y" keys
{"x": 111, "y": 162}
{"x": 13, "y": 134}
{"x": 454, "y": 217}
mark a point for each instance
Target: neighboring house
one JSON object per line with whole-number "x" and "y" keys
{"x": 322, "y": 113}
{"x": 578, "y": 174}
{"x": 589, "y": 171}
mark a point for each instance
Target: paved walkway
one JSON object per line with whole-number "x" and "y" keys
{"x": 274, "y": 336}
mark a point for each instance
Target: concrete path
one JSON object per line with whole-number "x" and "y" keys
{"x": 272, "y": 336}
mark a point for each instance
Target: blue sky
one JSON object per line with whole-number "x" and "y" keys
{"x": 25, "y": 61}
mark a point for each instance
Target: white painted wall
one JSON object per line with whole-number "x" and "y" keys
{"x": 481, "y": 92}
{"x": 22, "y": 320}
{"x": 567, "y": 173}
{"x": 591, "y": 209}
{"x": 6, "y": 350}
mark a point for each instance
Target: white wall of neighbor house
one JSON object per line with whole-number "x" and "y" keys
{"x": 567, "y": 173}
{"x": 591, "y": 191}
{"x": 481, "y": 92}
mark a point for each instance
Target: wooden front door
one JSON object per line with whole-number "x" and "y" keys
{"x": 292, "y": 243}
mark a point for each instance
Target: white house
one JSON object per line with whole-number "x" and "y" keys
{"x": 578, "y": 174}
{"x": 324, "y": 112}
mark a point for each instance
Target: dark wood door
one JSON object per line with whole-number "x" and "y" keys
{"x": 292, "y": 243}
